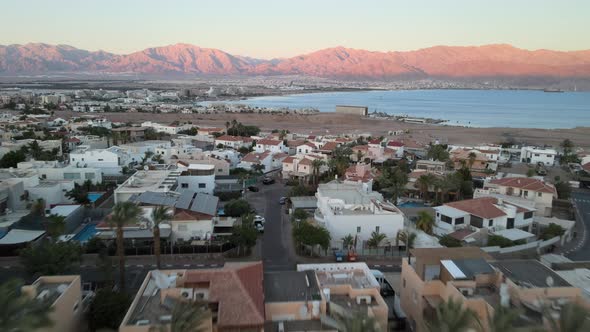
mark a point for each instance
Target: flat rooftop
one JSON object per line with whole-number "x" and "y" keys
{"x": 150, "y": 181}
{"x": 530, "y": 273}
{"x": 291, "y": 286}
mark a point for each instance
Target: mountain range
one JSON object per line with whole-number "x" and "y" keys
{"x": 499, "y": 60}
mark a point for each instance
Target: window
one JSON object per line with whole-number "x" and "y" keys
{"x": 82, "y": 159}
{"x": 358, "y": 229}
{"x": 491, "y": 223}
{"x": 219, "y": 170}
{"x": 100, "y": 159}
{"x": 202, "y": 185}
{"x": 446, "y": 219}
{"x": 459, "y": 221}
{"x": 510, "y": 223}
{"x": 72, "y": 176}
{"x": 476, "y": 221}
{"x": 73, "y": 159}
{"x": 536, "y": 154}
{"x": 182, "y": 228}
{"x": 526, "y": 193}
{"x": 539, "y": 194}
{"x": 404, "y": 282}
{"x": 184, "y": 185}
{"x": 415, "y": 296}
{"x": 44, "y": 176}
{"x": 438, "y": 214}
{"x": 377, "y": 229}
{"x": 528, "y": 215}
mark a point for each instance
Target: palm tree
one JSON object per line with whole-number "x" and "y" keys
{"x": 19, "y": 312}
{"x": 394, "y": 182}
{"x": 347, "y": 241}
{"x": 451, "y": 317}
{"x": 424, "y": 182}
{"x": 55, "y": 226}
{"x": 159, "y": 215}
{"x": 359, "y": 155}
{"x": 376, "y": 239}
{"x": 503, "y": 319}
{"x": 190, "y": 317}
{"x": 316, "y": 164}
{"x": 38, "y": 207}
{"x": 227, "y": 124}
{"x": 258, "y": 168}
{"x": 123, "y": 213}
{"x": 357, "y": 322}
{"x": 35, "y": 149}
{"x": 573, "y": 318}
{"x": 425, "y": 222}
{"x": 471, "y": 156}
{"x": 407, "y": 238}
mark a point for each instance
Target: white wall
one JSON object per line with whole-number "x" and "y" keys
{"x": 185, "y": 229}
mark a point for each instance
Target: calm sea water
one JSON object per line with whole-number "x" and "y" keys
{"x": 477, "y": 108}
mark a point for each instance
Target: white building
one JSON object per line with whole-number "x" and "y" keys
{"x": 305, "y": 148}
{"x": 530, "y": 190}
{"x": 256, "y": 158}
{"x": 196, "y": 177}
{"x": 53, "y": 171}
{"x": 272, "y": 145}
{"x": 142, "y": 181}
{"x": 171, "y": 129}
{"x": 484, "y": 212}
{"x": 107, "y": 160}
{"x": 346, "y": 209}
{"x": 234, "y": 142}
{"x": 534, "y": 155}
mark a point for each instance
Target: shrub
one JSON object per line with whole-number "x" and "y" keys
{"x": 449, "y": 241}
{"x": 227, "y": 196}
{"x": 500, "y": 241}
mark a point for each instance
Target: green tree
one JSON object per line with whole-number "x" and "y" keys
{"x": 305, "y": 233}
{"x": 563, "y": 190}
{"x": 438, "y": 152}
{"x": 35, "y": 150}
{"x": 425, "y": 222}
{"x": 406, "y": 238}
{"x": 423, "y": 183}
{"x": 190, "y": 317}
{"x": 504, "y": 320}
{"x": 376, "y": 239}
{"x": 244, "y": 235}
{"x": 347, "y": 242}
{"x": 316, "y": 165}
{"x": 393, "y": 182}
{"x": 300, "y": 190}
{"x": 51, "y": 258}
{"x": 552, "y": 231}
{"x": 573, "y": 318}
{"x": 12, "y": 158}
{"x": 500, "y": 241}
{"x": 258, "y": 168}
{"x": 78, "y": 194}
{"x": 357, "y": 321}
{"x": 38, "y": 207}
{"x": 471, "y": 159}
{"x": 449, "y": 241}
{"x": 20, "y": 312}
{"x": 300, "y": 214}
{"x": 160, "y": 215}
{"x": 236, "y": 208}
{"x": 452, "y": 317}
{"x": 107, "y": 309}
{"x": 124, "y": 213}
{"x": 55, "y": 226}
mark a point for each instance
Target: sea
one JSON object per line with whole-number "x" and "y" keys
{"x": 473, "y": 108}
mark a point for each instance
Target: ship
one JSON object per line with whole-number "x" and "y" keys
{"x": 553, "y": 90}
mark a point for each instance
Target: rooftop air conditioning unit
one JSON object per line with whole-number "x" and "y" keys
{"x": 186, "y": 293}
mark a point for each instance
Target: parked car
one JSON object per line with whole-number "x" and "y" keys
{"x": 253, "y": 189}
{"x": 268, "y": 180}
{"x": 259, "y": 228}
{"x": 259, "y": 219}
{"x": 282, "y": 200}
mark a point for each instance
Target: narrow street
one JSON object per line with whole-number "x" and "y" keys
{"x": 275, "y": 245}
{"x": 581, "y": 202}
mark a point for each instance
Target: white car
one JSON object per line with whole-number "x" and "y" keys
{"x": 260, "y": 228}
{"x": 259, "y": 219}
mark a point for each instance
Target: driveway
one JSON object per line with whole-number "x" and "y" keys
{"x": 276, "y": 247}
{"x": 581, "y": 202}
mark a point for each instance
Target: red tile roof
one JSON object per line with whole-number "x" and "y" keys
{"x": 586, "y": 167}
{"x": 330, "y": 146}
{"x": 305, "y": 161}
{"x": 482, "y": 207}
{"x": 395, "y": 143}
{"x": 375, "y": 141}
{"x": 461, "y": 234}
{"x": 280, "y": 155}
{"x": 526, "y": 184}
{"x": 311, "y": 145}
{"x": 238, "y": 289}
{"x": 253, "y": 157}
{"x": 266, "y": 141}
{"x": 229, "y": 138}
{"x": 289, "y": 160}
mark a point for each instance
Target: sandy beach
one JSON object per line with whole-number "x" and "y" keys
{"x": 332, "y": 123}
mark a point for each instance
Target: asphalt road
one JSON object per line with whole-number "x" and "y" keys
{"x": 275, "y": 244}
{"x": 581, "y": 202}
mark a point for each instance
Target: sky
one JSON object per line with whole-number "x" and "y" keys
{"x": 283, "y": 28}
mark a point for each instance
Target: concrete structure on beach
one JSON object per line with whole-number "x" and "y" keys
{"x": 356, "y": 110}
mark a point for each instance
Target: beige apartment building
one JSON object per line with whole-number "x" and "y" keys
{"x": 65, "y": 295}
{"x": 469, "y": 275}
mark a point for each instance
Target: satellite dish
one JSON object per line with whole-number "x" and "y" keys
{"x": 549, "y": 281}
{"x": 145, "y": 168}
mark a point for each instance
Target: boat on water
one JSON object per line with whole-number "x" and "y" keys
{"x": 553, "y": 90}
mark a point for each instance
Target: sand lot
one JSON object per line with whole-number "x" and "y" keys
{"x": 331, "y": 123}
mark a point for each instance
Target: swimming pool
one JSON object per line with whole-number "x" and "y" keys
{"x": 411, "y": 204}
{"x": 85, "y": 234}
{"x": 93, "y": 197}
